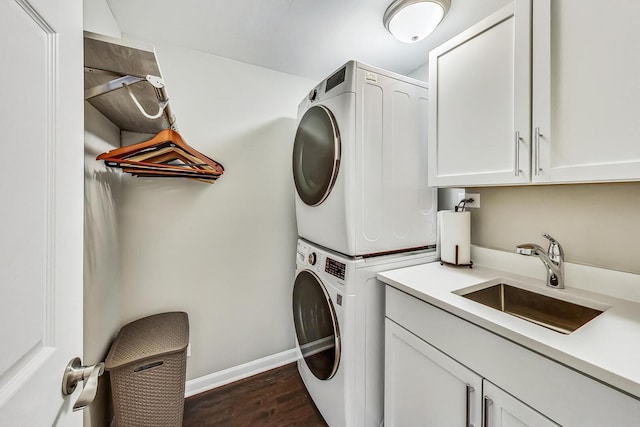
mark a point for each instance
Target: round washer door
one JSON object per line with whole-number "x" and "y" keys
{"x": 316, "y": 325}
{"x": 316, "y": 155}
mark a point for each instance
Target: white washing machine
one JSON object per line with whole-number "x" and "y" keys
{"x": 338, "y": 310}
{"x": 360, "y": 163}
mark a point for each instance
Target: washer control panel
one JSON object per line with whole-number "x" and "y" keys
{"x": 312, "y": 258}
{"x": 320, "y": 261}
{"x": 335, "y": 268}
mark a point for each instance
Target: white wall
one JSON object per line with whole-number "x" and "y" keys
{"x": 102, "y": 298}
{"x": 422, "y": 72}
{"x": 224, "y": 253}
{"x": 597, "y": 224}
{"x": 101, "y": 245}
{"x": 99, "y": 19}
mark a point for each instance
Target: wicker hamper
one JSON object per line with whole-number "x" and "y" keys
{"x": 147, "y": 364}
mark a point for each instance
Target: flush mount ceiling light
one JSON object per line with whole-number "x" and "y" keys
{"x": 412, "y": 20}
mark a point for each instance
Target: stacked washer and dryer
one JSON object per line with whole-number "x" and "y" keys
{"x": 362, "y": 206}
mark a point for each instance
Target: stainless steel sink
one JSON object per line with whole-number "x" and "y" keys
{"x": 561, "y": 316}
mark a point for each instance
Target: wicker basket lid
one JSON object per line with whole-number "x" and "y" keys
{"x": 150, "y": 336}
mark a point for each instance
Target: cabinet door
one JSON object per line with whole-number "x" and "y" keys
{"x": 586, "y": 87}
{"x": 500, "y": 409}
{"x": 425, "y": 387}
{"x": 480, "y": 102}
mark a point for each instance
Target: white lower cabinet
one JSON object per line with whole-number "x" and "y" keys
{"x": 442, "y": 370}
{"x": 500, "y": 409}
{"x": 425, "y": 387}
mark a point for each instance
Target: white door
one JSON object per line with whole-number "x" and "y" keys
{"x": 586, "y": 86}
{"x": 41, "y": 189}
{"x": 316, "y": 325}
{"x": 500, "y": 409}
{"x": 316, "y": 155}
{"x": 479, "y": 104}
{"x": 425, "y": 387}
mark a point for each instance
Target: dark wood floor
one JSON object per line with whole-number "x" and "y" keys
{"x": 273, "y": 398}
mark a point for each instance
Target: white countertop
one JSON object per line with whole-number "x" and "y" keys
{"x": 607, "y": 348}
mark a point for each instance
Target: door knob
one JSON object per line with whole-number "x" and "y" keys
{"x": 74, "y": 373}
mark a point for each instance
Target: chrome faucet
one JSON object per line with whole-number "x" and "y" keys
{"x": 553, "y": 260}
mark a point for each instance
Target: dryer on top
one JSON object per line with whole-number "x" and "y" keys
{"x": 360, "y": 163}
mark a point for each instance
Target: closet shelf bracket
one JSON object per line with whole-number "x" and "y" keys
{"x": 114, "y": 70}
{"x": 110, "y": 86}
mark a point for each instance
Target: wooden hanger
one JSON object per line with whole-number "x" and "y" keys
{"x": 166, "y": 174}
{"x": 167, "y": 154}
{"x": 164, "y": 155}
{"x": 151, "y": 166}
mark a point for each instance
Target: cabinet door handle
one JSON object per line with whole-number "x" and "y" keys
{"x": 486, "y": 403}
{"x": 537, "y": 153}
{"x": 517, "y": 159}
{"x": 470, "y": 390}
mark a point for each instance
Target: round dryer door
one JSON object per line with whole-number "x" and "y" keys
{"x": 316, "y": 325}
{"x": 316, "y": 155}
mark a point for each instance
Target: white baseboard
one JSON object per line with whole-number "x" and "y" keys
{"x": 217, "y": 379}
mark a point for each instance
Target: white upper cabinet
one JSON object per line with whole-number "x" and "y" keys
{"x": 586, "y": 91}
{"x": 480, "y": 103}
{"x": 575, "y": 104}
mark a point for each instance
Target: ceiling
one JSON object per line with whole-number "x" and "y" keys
{"x": 308, "y": 38}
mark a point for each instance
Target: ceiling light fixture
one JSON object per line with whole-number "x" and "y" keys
{"x": 412, "y": 20}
